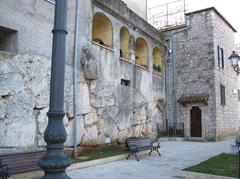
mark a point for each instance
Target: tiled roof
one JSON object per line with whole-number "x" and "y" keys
{"x": 198, "y": 98}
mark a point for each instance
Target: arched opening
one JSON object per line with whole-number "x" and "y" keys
{"x": 157, "y": 59}
{"x": 102, "y": 30}
{"x": 124, "y": 43}
{"x": 141, "y": 53}
{"x": 196, "y": 122}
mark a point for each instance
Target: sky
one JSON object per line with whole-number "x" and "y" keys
{"x": 230, "y": 9}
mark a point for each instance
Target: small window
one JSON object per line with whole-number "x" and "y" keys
{"x": 220, "y": 57}
{"x": 125, "y": 82}
{"x": 8, "y": 39}
{"x": 223, "y": 96}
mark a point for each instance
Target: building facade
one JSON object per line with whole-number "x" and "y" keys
{"x": 205, "y": 85}
{"x": 118, "y": 82}
{"x": 117, "y": 91}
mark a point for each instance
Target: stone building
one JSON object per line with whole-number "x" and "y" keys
{"x": 205, "y": 85}
{"x": 117, "y": 91}
{"x": 119, "y": 84}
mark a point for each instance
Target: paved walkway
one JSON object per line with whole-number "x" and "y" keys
{"x": 176, "y": 155}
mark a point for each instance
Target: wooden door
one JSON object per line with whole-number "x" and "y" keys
{"x": 196, "y": 122}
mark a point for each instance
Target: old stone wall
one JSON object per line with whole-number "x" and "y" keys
{"x": 104, "y": 106}
{"x": 24, "y": 81}
{"x": 198, "y": 73}
{"x": 27, "y": 17}
{"x": 194, "y": 72}
{"x": 226, "y": 115}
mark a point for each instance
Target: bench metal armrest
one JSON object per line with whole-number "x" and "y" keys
{"x": 157, "y": 145}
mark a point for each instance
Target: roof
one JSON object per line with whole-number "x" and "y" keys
{"x": 217, "y": 12}
{"x": 191, "y": 99}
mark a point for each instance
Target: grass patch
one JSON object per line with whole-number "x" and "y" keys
{"x": 223, "y": 165}
{"x": 98, "y": 153}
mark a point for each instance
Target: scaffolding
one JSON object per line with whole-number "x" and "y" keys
{"x": 167, "y": 15}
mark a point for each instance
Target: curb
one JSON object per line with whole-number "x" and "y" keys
{"x": 91, "y": 163}
{"x": 191, "y": 175}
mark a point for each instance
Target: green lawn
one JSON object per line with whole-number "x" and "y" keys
{"x": 98, "y": 153}
{"x": 223, "y": 165}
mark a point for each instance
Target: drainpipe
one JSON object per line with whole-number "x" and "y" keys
{"x": 173, "y": 47}
{"x": 174, "y": 85}
{"x": 75, "y": 55}
{"x": 167, "y": 51}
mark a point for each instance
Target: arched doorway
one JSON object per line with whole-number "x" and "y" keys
{"x": 196, "y": 122}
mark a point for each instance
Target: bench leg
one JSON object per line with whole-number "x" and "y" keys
{"x": 150, "y": 152}
{"x": 158, "y": 152}
{"x": 4, "y": 175}
{"x": 134, "y": 154}
{"x": 154, "y": 150}
{"x": 129, "y": 155}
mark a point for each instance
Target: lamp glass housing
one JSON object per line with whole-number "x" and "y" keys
{"x": 234, "y": 60}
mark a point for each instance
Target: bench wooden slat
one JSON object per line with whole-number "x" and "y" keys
{"x": 22, "y": 161}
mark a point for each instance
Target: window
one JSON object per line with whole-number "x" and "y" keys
{"x": 125, "y": 82}
{"x": 102, "y": 30}
{"x": 157, "y": 59}
{"x": 222, "y": 93}
{"x": 220, "y": 57}
{"x": 8, "y": 39}
{"x": 124, "y": 43}
{"x": 141, "y": 53}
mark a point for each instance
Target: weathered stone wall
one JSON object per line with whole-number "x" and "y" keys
{"x": 24, "y": 81}
{"x": 226, "y": 115}
{"x": 194, "y": 72}
{"x": 198, "y": 73}
{"x": 27, "y": 17}
{"x": 103, "y": 105}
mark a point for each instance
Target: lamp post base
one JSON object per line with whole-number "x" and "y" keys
{"x": 55, "y": 162}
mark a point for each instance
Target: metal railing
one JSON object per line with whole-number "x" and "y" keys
{"x": 170, "y": 129}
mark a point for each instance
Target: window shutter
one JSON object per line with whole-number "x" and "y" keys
{"x": 218, "y": 52}
{"x": 222, "y": 58}
{"x": 222, "y": 93}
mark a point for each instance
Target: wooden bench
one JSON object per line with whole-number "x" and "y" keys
{"x": 138, "y": 144}
{"x": 14, "y": 163}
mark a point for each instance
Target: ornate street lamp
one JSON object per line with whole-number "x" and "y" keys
{"x": 235, "y": 61}
{"x": 55, "y": 161}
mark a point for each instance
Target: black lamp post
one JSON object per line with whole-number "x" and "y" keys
{"x": 55, "y": 161}
{"x": 235, "y": 61}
